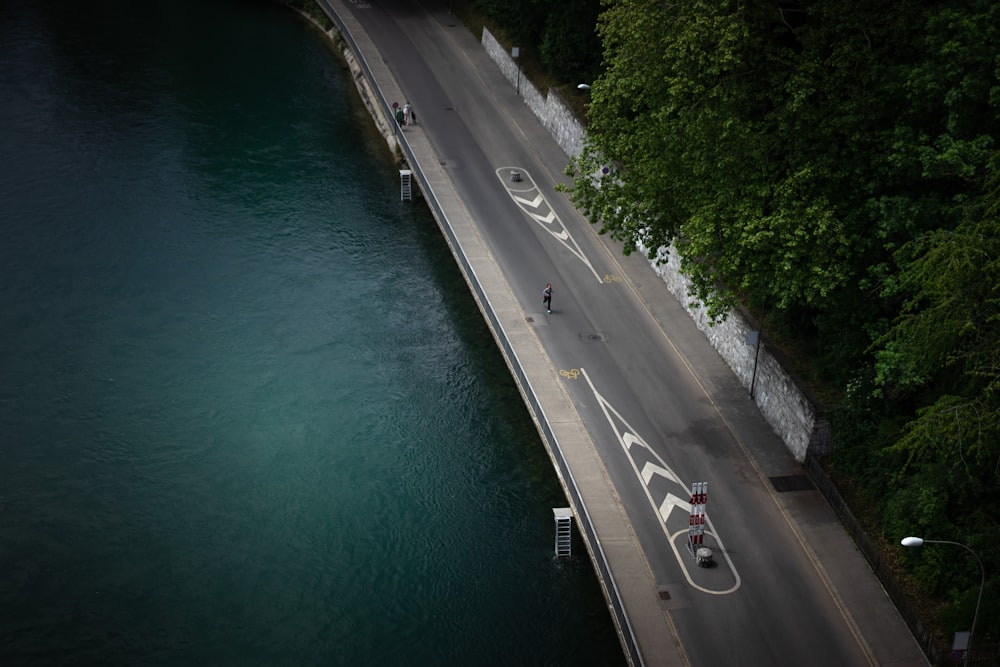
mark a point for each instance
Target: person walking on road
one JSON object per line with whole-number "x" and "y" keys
{"x": 547, "y": 297}
{"x": 408, "y": 117}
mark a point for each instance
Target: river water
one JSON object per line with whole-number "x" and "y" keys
{"x": 249, "y": 413}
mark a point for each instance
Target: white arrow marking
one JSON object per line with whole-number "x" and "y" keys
{"x": 650, "y": 469}
{"x": 669, "y": 503}
{"x": 533, "y": 203}
{"x": 544, "y": 218}
{"x": 627, "y": 438}
{"x": 564, "y": 236}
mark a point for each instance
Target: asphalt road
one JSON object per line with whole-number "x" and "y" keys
{"x": 661, "y": 407}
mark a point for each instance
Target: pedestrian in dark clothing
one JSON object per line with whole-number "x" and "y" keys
{"x": 399, "y": 117}
{"x": 547, "y": 297}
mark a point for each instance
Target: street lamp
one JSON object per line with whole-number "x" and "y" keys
{"x": 583, "y": 86}
{"x": 919, "y": 542}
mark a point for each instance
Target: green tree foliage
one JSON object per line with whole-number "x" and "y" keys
{"x": 707, "y": 116}
{"x": 788, "y": 150}
{"x": 562, "y": 32}
{"x": 524, "y": 20}
{"x": 944, "y": 348}
{"x": 570, "y": 48}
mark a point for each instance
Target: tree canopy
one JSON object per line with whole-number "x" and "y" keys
{"x": 561, "y": 33}
{"x": 786, "y": 150}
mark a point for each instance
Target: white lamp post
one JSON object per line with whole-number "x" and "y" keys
{"x": 919, "y": 542}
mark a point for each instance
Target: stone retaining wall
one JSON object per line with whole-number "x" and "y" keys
{"x": 556, "y": 117}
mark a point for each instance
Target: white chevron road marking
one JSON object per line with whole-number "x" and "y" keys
{"x": 669, "y": 503}
{"x": 633, "y": 446}
{"x": 534, "y": 208}
{"x": 651, "y": 470}
{"x": 533, "y": 203}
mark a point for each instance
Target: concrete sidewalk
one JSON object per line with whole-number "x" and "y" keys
{"x": 643, "y": 619}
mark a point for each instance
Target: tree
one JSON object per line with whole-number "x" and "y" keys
{"x": 945, "y": 343}
{"x": 699, "y": 120}
{"x": 787, "y": 151}
{"x": 944, "y": 348}
{"x": 570, "y": 48}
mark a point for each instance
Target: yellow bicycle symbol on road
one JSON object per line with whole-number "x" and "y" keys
{"x": 612, "y": 279}
{"x": 571, "y": 374}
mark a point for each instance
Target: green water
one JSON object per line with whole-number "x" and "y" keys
{"x": 249, "y": 413}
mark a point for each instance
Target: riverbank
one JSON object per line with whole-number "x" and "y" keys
{"x": 385, "y": 125}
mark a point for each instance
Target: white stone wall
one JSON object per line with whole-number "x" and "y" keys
{"x": 555, "y": 116}
{"x": 785, "y": 405}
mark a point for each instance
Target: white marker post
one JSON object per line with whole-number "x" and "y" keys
{"x": 696, "y": 524}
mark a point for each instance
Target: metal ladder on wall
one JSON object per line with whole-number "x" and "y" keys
{"x": 405, "y": 185}
{"x": 564, "y": 531}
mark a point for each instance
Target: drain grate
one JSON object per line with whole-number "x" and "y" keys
{"x": 664, "y": 594}
{"x": 785, "y": 483}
